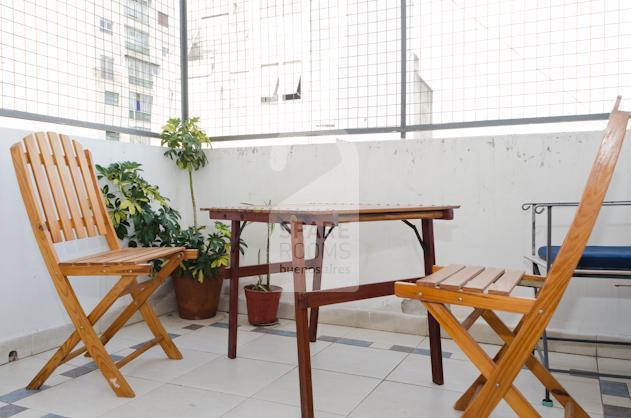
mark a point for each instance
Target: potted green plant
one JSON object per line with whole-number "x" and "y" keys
{"x": 139, "y": 212}
{"x": 263, "y": 298}
{"x": 197, "y": 282}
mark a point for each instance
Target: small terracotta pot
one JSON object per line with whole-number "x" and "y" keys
{"x": 262, "y": 306}
{"x": 197, "y": 300}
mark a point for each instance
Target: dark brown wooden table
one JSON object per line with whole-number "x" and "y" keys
{"x": 325, "y": 217}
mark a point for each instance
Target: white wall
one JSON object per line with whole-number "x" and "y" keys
{"x": 488, "y": 177}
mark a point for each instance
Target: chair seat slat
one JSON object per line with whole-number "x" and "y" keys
{"x": 506, "y": 283}
{"x": 124, "y": 256}
{"x": 434, "y": 279}
{"x": 483, "y": 280}
{"x": 460, "y": 278}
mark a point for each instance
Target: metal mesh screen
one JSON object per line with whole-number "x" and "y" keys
{"x": 269, "y": 67}
{"x": 272, "y": 66}
{"x": 491, "y": 59}
{"x": 106, "y": 62}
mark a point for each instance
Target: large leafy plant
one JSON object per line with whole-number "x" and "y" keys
{"x": 138, "y": 210}
{"x": 185, "y": 141}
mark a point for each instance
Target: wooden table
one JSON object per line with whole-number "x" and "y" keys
{"x": 325, "y": 217}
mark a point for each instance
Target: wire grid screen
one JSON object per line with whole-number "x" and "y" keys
{"x": 108, "y": 62}
{"x": 491, "y": 59}
{"x": 273, "y": 66}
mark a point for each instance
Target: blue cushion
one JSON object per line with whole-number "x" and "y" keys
{"x": 598, "y": 257}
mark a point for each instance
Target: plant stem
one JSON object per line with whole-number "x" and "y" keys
{"x": 268, "y": 257}
{"x": 190, "y": 185}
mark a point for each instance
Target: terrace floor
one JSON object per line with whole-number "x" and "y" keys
{"x": 356, "y": 373}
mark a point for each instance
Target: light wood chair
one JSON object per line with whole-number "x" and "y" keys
{"x": 63, "y": 202}
{"x": 487, "y": 290}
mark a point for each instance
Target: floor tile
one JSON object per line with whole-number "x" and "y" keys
{"x": 449, "y": 346}
{"x": 399, "y": 400}
{"x": 616, "y": 401}
{"x": 18, "y": 374}
{"x": 384, "y": 337}
{"x": 114, "y": 345}
{"x": 277, "y": 348}
{"x": 361, "y": 361}
{"x": 336, "y": 393}
{"x": 33, "y": 413}
{"x": 84, "y": 397}
{"x": 417, "y": 370}
{"x": 213, "y": 339}
{"x": 155, "y": 365}
{"x": 170, "y": 401}
{"x": 241, "y": 376}
{"x": 337, "y": 331}
{"x": 262, "y": 409}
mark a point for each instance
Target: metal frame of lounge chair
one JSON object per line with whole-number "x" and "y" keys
{"x": 540, "y": 265}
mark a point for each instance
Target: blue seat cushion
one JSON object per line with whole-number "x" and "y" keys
{"x": 597, "y": 257}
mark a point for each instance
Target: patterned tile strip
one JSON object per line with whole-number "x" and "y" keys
{"x": 10, "y": 410}
{"x": 20, "y": 394}
{"x": 611, "y": 411}
{"x": 607, "y": 387}
{"x": 421, "y": 351}
{"x": 193, "y": 327}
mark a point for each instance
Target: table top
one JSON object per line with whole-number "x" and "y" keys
{"x": 330, "y": 213}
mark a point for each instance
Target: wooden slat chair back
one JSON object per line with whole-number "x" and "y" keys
{"x": 489, "y": 289}
{"x": 61, "y": 195}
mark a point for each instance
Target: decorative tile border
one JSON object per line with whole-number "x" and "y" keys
{"x": 10, "y": 410}
{"x": 18, "y": 395}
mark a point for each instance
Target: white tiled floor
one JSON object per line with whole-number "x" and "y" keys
{"x": 358, "y": 377}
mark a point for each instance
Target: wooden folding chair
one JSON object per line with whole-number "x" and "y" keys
{"x": 487, "y": 290}
{"x": 63, "y": 201}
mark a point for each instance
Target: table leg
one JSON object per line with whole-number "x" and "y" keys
{"x": 302, "y": 325}
{"x": 317, "y": 282}
{"x": 433, "y": 328}
{"x": 234, "y": 289}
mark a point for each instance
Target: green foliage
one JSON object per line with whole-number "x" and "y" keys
{"x": 138, "y": 210}
{"x": 141, "y": 214}
{"x": 184, "y": 140}
{"x": 214, "y": 250}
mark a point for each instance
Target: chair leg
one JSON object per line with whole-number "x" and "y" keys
{"x": 158, "y": 330}
{"x": 140, "y": 298}
{"x": 479, "y": 358}
{"x": 92, "y": 342}
{"x": 538, "y": 369}
{"x": 463, "y": 402}
{"x": 61, "y": 355}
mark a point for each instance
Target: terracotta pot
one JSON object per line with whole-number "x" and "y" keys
{"x": 262, "y": 306}
{"x": 197, "y": 300}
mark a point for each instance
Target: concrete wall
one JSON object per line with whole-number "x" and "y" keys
{"x": 489, "y": 177}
